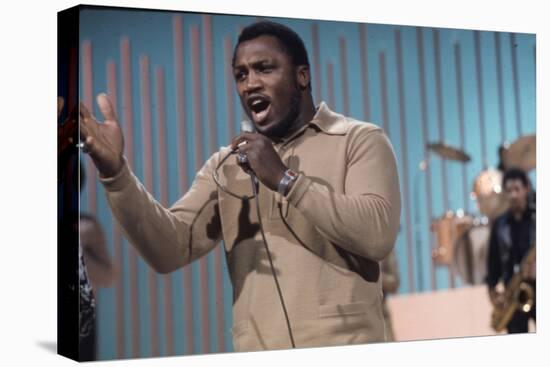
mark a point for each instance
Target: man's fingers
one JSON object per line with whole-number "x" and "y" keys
{"x": 106, "y": 107}
{"x": 243, "y": 137}
{"x": 84, "y": 112}
{"x": 60, "y": 104}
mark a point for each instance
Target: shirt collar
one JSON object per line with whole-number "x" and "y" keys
{"x": 329, "y": 122}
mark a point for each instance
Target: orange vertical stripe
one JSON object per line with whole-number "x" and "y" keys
{"x": 117, "y": 234}
{"x": 127, "y": 108}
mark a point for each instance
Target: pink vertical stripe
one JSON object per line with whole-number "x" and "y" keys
{"x": 208, "y": 47}
{"x": 316, "y": 61}
{"x": 364, "y": 69}
{"x": 163, "y": 159}
{"x": 127, "y": 109}
{"x": 424, "y": 117}
{"x": 344, "y": 74}
{"x": 405, "y": 161}
{"x": 117, "y": 234}
{"x": 330, "y": 85}
{"x": 208, "y": 58}
{"x": 148, "y": 178}
{"x": 230, "y": 93}
{"x": 242, "y": 114}
{"x": 88, "y": 101}
{"x": 177, "y": 28}
{"x": 203, "y": 269}
{"x": 229, "y": 89}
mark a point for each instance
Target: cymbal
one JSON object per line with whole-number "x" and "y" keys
{"x": 522, "y": 153}
{"x": 449, "y": 152}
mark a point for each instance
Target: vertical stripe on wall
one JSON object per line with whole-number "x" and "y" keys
{"x": 364, "y": 69}
{"x": 441, "y": 125}
{"x": 344, "y": 75}
{"x": 500, "y": 88}
{"x": 148, "y": 176}
{"x": 179, "y": 72}
{"x": 88, "y": 101}
{"x": 163, "y": 159}
{"x": 515, "y": 77}
{"x": 117, "y": 234}
{"x": 460, "y": 102}
{"x": 316, "y": 61}
{"x": 425, "y": 162}
{"x": 330, "y": 84}
{"x": 480, "y": 99}
{"x": 405, "y": 161}
{"x": 129, "y": 147}
{"x": 384, "y": 97}
{"x": 199, "y": 158}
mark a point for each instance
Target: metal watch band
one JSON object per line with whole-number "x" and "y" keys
{"x": 285, "y": 181}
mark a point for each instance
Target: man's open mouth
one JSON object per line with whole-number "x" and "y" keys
{"x": 259, "y": 108}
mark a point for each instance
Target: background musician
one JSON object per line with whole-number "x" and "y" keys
{"x": 512, "y": 235}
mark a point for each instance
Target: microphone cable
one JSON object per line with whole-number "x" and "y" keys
{"x": 254, "y": 189}
{"x": 254, "y": 182}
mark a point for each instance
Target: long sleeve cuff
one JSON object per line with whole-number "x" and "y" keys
{"x": 118, "y": 181}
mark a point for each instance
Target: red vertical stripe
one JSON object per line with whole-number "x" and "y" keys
{"x": 229, "y": 88}
{"x": 163, "y": 159}
{"x": 241, "y": 110}
{"x": 88, "y": 101}
{"x": 148, "y": 176}
{"x": 127, "y": 109}
{"x": 405, "y": 162}
{"x": 424, "y": 118}
{"x": 344, "y": 75}
{"x": 217, "y": 271}
{"x": 211, "y": 98}
{"x": 117, "y": 234}
{"x": 177, "y": 28}
{"x": 230, "y": 92}
{"x": 330, "y": 85}
{"x": 316, "y": 61}
{"x": 199, "y": 159}
{"x": 364, "y": 69}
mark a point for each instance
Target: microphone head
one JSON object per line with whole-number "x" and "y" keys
{"x": 247, "y": 126}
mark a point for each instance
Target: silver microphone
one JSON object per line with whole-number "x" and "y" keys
{"x": 247, "y": 126}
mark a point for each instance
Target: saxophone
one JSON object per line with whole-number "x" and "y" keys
{"x": 519, "y": 295}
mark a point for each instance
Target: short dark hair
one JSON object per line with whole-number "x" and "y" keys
{"x": 515, "y": 174}
{"x": 290, "y": 41}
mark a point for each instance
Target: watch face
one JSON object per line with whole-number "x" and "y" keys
{"x": 293, "y": 175}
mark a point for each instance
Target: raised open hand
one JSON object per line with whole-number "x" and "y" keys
{"x": 103, "y": 141}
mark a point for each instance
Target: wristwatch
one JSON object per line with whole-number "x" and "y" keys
{"x": 289, "y": 176}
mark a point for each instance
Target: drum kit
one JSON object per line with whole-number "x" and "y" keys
{"x": 462, "y": 239}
